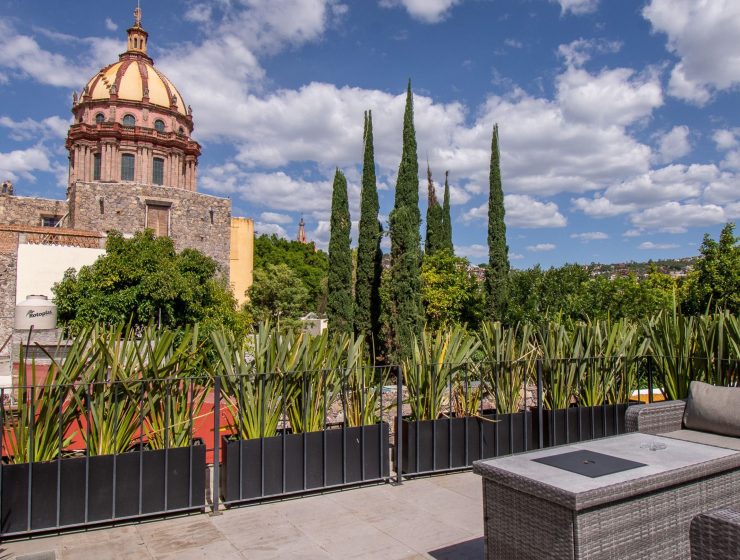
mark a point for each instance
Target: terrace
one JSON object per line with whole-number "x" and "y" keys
{"x": 311, "y": 460}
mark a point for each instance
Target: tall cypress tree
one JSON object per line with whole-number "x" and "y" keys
{"x": 369, "y": 254}
{"x": 339, "y": 301}
{"x": 434, "y": 240}
{"x": 497, "y": 275}
{"x": 405, "y": 218}
{"x": 446, "y": 217}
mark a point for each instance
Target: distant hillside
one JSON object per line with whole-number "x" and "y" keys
{"x": 677, "y": 268}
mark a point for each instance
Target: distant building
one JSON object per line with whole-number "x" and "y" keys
{"x": 132, "y": 165}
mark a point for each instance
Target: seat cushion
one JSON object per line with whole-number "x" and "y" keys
{"x": 713, "y": 409}
{"x": 706, "y": 438}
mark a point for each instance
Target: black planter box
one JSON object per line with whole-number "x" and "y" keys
{"x": 581, "y": 423}
{"x": 449, "y": 443}
{"x": 290, "y": 463}
{"x": 116, "y": 483}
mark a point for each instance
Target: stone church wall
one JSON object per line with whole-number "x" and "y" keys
{"x": 26, "y": 211}
{"x": 196, "y": 220}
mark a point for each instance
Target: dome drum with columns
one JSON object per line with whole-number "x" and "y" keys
{"x": 131, "y": 124}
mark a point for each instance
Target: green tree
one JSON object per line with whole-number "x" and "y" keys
{"x": 435, "y": 220}
{"x": 498, "y": 252}
{"x": 308, "y": 264}
{"x": 278, "y": 295}
{"x": 369, "y": 255}
{"x": 449, "y": 292}
{"x": 447, "y": 217}
{"x": 405, "y": 218}
{"x": 339, "y": 299}
{"x": 143, "y": 280}
{"x": 715, "y": 284}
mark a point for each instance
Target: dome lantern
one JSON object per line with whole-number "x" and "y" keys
{"x": 137, "y": 37}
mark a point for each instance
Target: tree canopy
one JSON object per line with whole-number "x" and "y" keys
{"x": 277, "y": 295}
{"x": 142, "y": 280}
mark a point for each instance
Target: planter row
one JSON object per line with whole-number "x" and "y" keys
{"x": 79, "y": 491}
{"x": 292, "y": 463}
{"x": 451, "y": 443}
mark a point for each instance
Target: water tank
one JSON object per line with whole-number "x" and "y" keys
{"x": 37, "y": 312}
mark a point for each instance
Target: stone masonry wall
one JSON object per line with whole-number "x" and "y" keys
{"x": 197, "y": 220}
{"x": 26, "y": 211}
{"x": 8, "y": 266}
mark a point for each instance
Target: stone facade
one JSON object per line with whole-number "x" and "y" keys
{"x": 8, "y": 266}
{"x": 26, "y": 211}
{"x": 196, "y": 221}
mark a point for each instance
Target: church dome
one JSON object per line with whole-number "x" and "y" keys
{"x": 135, "y": 79}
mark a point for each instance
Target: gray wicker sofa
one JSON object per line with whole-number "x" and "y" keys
{"x": 714, "y": 535}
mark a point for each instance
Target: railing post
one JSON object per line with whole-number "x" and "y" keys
{"x": 216, "y": 488}
{"x": 650, "y": 378}
{"x": 399, "y": 424}
{"x": 540, "y": 431}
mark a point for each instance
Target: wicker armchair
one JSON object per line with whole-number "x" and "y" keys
{"x": 716, "y": 535}
{"x": 655, "y": 418}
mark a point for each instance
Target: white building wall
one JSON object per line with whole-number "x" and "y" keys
{"x": 40, "y": 266}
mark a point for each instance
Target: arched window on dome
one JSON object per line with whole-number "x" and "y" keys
{"x": 181, "y": 130}
{"x": 159, "y": 125}
{"x": 99, "y": 118}
{"x": 129, "y": 120}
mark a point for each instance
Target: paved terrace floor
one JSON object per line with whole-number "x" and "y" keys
{"x": 438, "y": 517}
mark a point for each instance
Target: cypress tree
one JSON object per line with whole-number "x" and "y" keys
{"x": 446, "y": 218}
{"x": 405, "y": 286}
{"x": 369, "y": 254}
{"x": 435, "y": 220}
{"x": 497, "y": 275}
{"x": 339, "y": 301}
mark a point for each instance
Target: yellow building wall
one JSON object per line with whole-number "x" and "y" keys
{"x": 242, "y": 257}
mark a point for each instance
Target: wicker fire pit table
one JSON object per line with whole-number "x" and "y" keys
{"x": 624, "y": 497}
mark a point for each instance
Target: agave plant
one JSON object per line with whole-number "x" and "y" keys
{"x": 44, "y": 417}
{"x": 563, "y": 352}
{"x": 612, "y": 370}
{"x": 362, "y": 386}
{"x": 431, "y": 371}
{"x": 169, "y": 362}
{"x": 672, "y": 339}
{"x": 109, "y": 395}
{"x": 509, "y": 356}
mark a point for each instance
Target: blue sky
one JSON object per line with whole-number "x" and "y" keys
{"x": 618, "y": 121}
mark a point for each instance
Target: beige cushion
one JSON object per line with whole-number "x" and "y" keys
{"x": 713, "y": 409}
{"x": 706, "y": 438}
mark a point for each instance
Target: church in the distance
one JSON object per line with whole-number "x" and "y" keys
{"x": 132, "y": 165}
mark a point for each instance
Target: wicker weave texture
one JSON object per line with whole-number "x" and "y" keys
{"x": 653, "y": 526}
{"x": 655, "y": 418}
{"x": 716, "y": 535}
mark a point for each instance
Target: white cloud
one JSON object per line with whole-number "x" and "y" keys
{"x": 674, "y": 144}
{"x": 725, "y": 139}
{"x": 703, "y": 35}
{"x": 110, "y": 25}
{"x": 23, "y": 163}
{"x": 276, "y": 218}
{"x": 427, "y": 11}
{"x": 513, "y": 43}
{"x": 633, "y": 233}
{"x": 680, "y": 215}
{"x": 600, "y": 207}
{"x": 650, "y": 245}
{"x": 590, "y": 236}
{"x": 515, "y": 256}
{"x": 474, "y": 251}
{"x": 613, "y": 97}
{"x": 577, "y": 7}
{"x": 198, "y": 13}
{"x": 29, "y": 129}
{"x": 262, "y": 228}
{"x": 578, "y": 52}
{"x": 541, "y": 247}
{"x": 522, "y": 211}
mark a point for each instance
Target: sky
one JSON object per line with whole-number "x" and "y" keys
{"x": 618, "y": 120}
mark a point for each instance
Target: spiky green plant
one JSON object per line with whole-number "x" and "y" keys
{"x": 431, "y": 370}
{"x": 509, "y": 356}
{"x": 563, "y": 352}
{"x": 44, "y": 416}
